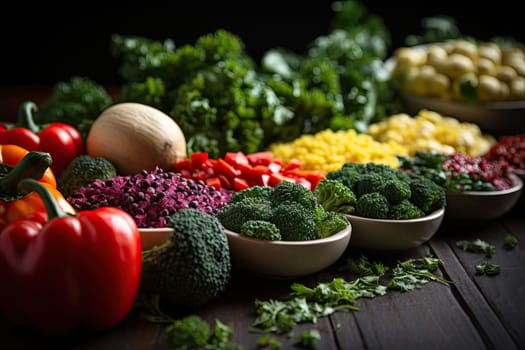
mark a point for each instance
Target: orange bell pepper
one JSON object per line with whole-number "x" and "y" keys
{"x": 12, "y": 154}
{"x": 16, "y": 164}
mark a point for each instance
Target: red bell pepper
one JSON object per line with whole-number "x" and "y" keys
{"x": 75, "y": 270}
{"x": 61, "y": 140}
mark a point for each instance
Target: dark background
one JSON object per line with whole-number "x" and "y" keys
{"x": 44, "y": 45}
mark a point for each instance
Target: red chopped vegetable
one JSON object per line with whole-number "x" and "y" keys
{"x": 237, "y": 171}
{"x": 477, "y": 172}
{"x": 510, "y": 149}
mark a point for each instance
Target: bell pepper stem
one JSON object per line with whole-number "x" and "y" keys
{"x": 25, "y": 116}
{"x": 52, "y": 208}
{"x": 33, "y": 165}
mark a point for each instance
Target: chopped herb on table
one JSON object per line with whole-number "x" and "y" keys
{"x": 308, "y": 339}
{"x": 488, "y": 268}
{"x": 192, "y": 332}
{"x": 510, "y": 242}
{"x": 415, "y": 273}
{"x": 308, "y": 304}
{"x": 267, "y": 342}
{"x": 362, "y": 266}
{"x": 477, "y": 246}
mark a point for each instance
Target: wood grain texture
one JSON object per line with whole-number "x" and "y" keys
{"x": 475, "y": 312}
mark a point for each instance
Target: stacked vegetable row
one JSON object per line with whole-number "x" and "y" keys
{"x": 184, "y": 143}
{"x": 104, "y": 190}
{"x": 100, "y": 195}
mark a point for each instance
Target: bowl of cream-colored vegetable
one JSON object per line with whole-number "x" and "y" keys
{"x": 477, "y": 82}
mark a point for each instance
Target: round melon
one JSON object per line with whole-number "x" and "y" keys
{"x": 136, "y": 137}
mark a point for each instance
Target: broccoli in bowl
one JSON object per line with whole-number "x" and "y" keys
{"x": 283, "y": 231}
{"x": 382, "y": 192}
{"x": 287, "y": 212}
{"x": 391, "y": 209}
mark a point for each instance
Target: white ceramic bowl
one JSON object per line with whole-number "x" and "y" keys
{"x": 286, "y": 259}
{"x": 482, "y": 206}
{"x": 498, "y": 118}
{"x": 154, "y": 236}
{"x": 384, "y": 235}
{"x": 521, "y": 174}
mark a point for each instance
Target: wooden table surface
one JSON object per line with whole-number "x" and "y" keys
{"x": 475, "y": 312}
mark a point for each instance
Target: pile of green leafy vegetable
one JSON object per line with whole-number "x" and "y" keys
{"x": 76, "y": 102}
{"x": 224, "y": 101}
{"x": 306, "y": 304}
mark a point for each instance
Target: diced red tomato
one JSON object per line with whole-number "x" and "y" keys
{"x": 239, "y": 184}
{"x": 200, "y": 175}
{"x": 261, "y": 169}
{"x": 225, "y": 182}
{"x": 261, "y": 158}
{"x": 314, "y": 179}
{"x": 185, "y": 173}
{"x": 293, "y": 164}
{"x": 275, "y": 179}
{"x": 184, "y": 164}
{"x": 209, "y": 164}
{"x": 197, "y": 159}
{"x": 275, "y": 167}
{"x": 226, "y": 169}
{"x": 214, "y": 182}
{"x": 237, "y": 171}
{"x": 264, "y": 180}
{"x": 236, "y": 158}
{"x": 246, "y": 169}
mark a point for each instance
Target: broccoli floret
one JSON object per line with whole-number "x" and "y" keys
{"x": 290, "y": 207}
{"x": 333, "y": 195}
{"x": 384, "y": 171}
{"x": 318, "y": 213}
{"x": 252, "y": 192}
{"x": 372, "y": 205}
{"x": 295, "y": 222}
{"x": 426, "y": 194}
{"x": 368, "y": 183}
{"x": 193, "y": 267}
{"x": 331, "y": 223}
{"x": 396, "y": 190}
{"x": 405, "y": 210}
{"x": 352, "y": 167}
{"x": 234, "y": 214}
{"x": 348, "y": 174}
{"x": 261, "y": 230}
{"x": 294, "y": 192}
{"x": 82, "y": 171}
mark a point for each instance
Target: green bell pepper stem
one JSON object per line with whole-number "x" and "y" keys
{"x": 25, "y": 117}
{"x": 52, "y": 208}
{"x": 33, "y": 165}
